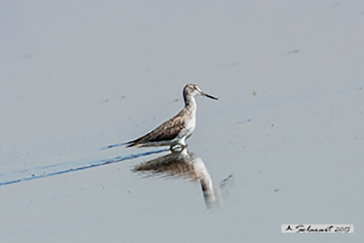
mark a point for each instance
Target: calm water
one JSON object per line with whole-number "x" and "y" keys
{"x": 284, "y": 143}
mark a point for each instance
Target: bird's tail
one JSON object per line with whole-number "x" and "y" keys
{"x": 115, "y": 145}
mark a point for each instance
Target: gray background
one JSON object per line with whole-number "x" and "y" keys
{"x": 77, "y": 76}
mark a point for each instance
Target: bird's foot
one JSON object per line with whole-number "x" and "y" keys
{"x": 178, "y": 147}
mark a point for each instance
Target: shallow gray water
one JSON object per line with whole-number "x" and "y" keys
{"x": 288, "y": 125}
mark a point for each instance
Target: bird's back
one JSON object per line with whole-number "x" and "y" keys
{"x": 167, "y": 131}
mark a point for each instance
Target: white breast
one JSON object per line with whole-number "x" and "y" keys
{"x": 190, "y": 127}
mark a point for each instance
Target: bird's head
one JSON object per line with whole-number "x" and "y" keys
{"x": 194, "y": 90}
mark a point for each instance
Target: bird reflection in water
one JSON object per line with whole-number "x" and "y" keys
{"x": 186, "y": 165}
{"x": 182, "y": 164}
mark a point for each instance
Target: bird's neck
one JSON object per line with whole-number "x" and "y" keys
{"x": 190, "y": 103}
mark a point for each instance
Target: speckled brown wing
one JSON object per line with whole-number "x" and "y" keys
{"x": 167, "y": 131}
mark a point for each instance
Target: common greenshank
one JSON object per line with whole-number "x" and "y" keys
{"x": 176, "y": 130}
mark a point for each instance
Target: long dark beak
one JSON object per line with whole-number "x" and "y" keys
{"x": 209, "y": 96}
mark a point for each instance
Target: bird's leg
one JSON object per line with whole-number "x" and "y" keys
{"x": 177, "y": 147}
{"x": 174, "y": 148}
